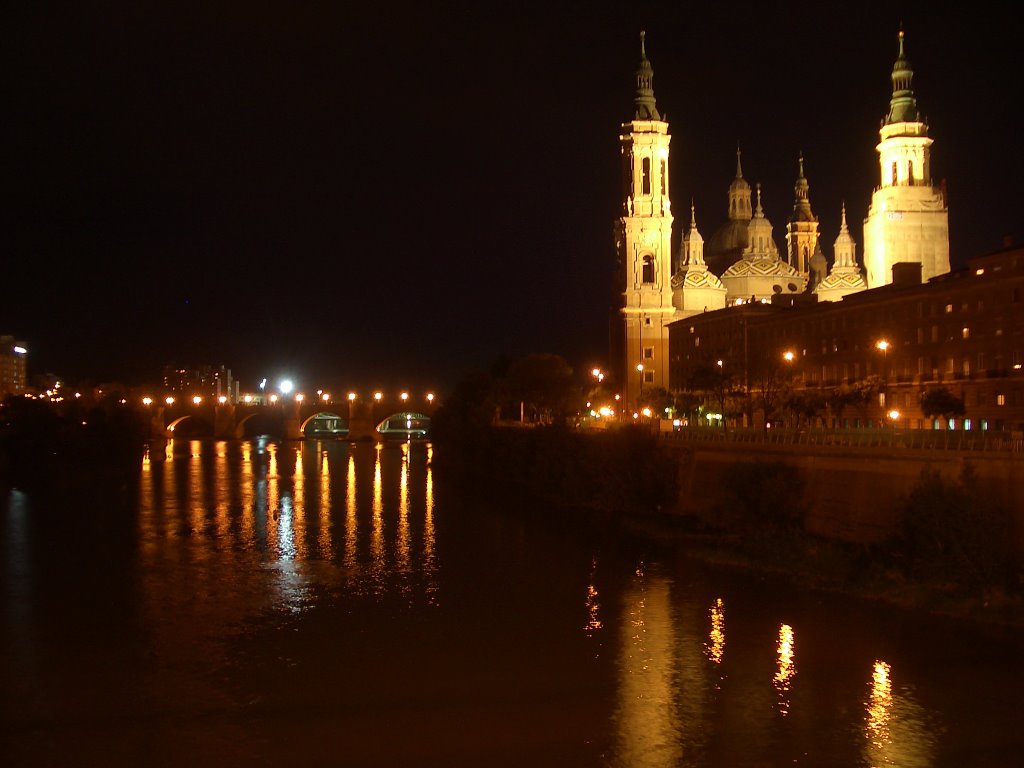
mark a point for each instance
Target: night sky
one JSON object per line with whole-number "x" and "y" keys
{"x": 390, "y": 197}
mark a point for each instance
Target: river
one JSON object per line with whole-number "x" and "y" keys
{"x": 326, "y": 603}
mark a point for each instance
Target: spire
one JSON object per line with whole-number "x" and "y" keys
{"x": 846, "y": 259}
{"x": 739, "y": 168}
{"x": 759, "y": 211}
{"x": 644, "y": 98}
{"x": 693, "y": 243}
{"x": 802, "y": 202}
{"x": 903, "y": 105}
{"x": 843, "y": 230}
{"x": 693, "y": 215}
{"x": 739, "y": 194}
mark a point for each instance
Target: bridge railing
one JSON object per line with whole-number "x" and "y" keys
{"x": 897, "y": 439}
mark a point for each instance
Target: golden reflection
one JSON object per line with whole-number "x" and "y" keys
{"x": 402, "y": 545}
{"x": 429, "y": 536}
{"x": 897, "y": 730}
{"x": 299, "y": 504}
{"x": 351, "y": 520}
{"x": 787, "y": 668}
{"x": 325, "y": 542}
{"x": 377, "y": 532}
{"x": 196, "y": 506}
{"x": 879, "y": 706}
{"x": 221, "y": 482}
{"x": 715, "y": 646}
{"x": 249, "y": 486}
{"x": 646, "y": 719}
{"x": 593, "y": 606}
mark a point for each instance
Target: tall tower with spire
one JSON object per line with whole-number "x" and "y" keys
{"x": 643, "y": 236}
{"x": 908, "y": 220}
{"x": 802, "y": 227}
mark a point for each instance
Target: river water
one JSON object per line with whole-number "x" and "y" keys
{"x": 256, "y": 603}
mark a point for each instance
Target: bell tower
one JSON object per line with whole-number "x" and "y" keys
{"x": 643, "y": 235}
{"x": 908, "y": 220}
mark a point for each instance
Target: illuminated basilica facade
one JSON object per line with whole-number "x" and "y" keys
{"x": 741, "y": 263}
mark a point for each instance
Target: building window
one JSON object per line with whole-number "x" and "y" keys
{"x": 910, "y": 171}
{"x": 920, "y": 335}
{"x": 648, "y": 353}
{"x": 935, "y": 333}
{"x": 645, "y": 176}
{"x": 664, "y": 178}
{"x": 894, "y": 173}
{"x": 949, "y": 309}
{"x": 967, "y": 366}
{"x": 648, "y": 322}
{"x": 966, "y": 333}
{"x": 648, "y": 270}
{"x": 1000, "y": 399}
{"x": 648, "y": 377}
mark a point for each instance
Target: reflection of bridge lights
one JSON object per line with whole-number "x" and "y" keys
{"x": 351, "y": 397}
{"x": 197, "y": 400}
{"x": 222, "y": 399}
{"x": 286, "y": 386}
{"x": 169, "y": 400}
{"x": 300, "y": 397}
{"x": 147, "y": 401}
{"x": 273, "y": 398}
{"x": 378, "y": 396}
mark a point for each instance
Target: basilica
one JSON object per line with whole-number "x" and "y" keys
{"x": 742, "y": 263}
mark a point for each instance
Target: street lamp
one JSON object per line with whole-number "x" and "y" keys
{"x": 640, "y": 369}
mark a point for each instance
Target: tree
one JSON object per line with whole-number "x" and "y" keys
{"x": 939, "y": 402}
{"x": 543, "y": 383}
{"x": 716, "y": 383}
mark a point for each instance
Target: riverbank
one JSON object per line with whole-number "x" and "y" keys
{"x": 949, "y": 553}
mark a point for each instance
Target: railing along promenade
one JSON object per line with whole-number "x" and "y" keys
{"x": 908, "y": 439}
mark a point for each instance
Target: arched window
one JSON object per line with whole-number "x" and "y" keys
{"x": 648, "y": 271}
{"x": 645, "y": 176}
{"x": 894, "y": 172}
{"x": 910, "y": 171}
{"x": 664, "y": 178}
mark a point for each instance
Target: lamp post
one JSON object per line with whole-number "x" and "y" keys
{"x": 640, "y": 369}
{"x": 883, "y": 344}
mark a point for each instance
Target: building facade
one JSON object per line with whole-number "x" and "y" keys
{"x": 963, "y": 331}
{"x": 13, "y": 366}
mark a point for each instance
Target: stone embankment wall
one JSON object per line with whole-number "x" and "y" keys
{"x": 849, "y": 494}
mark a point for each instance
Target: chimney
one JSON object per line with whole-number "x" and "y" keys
{"x": 906, "y": 273}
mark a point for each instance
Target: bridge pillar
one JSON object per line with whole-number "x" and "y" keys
{"x": 362, "y": 424}
{"x": 157, "y": 424}
{"x": 224, "y": 422}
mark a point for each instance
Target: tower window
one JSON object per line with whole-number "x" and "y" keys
{"x": 648, "y": 353}
{"x": 894, "y": 173}
{"x": 648, "y": 271}
{"x": 910, "y": 171}
{"x": 645, "y": 176}
{"x": 664, "y": 178}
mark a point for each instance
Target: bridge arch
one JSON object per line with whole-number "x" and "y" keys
{"x": 324, "y": 424}
{"x": 188, "y": 426}
{"x": 405, "y": 424}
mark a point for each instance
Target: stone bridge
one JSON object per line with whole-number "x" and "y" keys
{"x": 292, "y": 420}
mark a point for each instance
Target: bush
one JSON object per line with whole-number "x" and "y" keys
{"x": 950, "y": 531}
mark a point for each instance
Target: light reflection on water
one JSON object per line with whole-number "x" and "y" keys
{"x": 236, "y": 544}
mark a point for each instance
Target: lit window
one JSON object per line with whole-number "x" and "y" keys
{"x": 648, "y": 377}
{"x": 645, "y": 178}
{"x": 949, "y": 309}
{"x": 648, "y": 353}
{"x": 1000, "y": 399}
{"x": 966, "y": 333}
{"x": 648, "y": 269}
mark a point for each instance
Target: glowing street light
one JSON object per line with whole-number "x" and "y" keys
{"x": 788, "y": 356}
{"x": 300, "y": 397}
{"x": 378, "y": 396}
{"x": 197, "y": 400}
{"x": 326, "y": 397}
{"x": 286, "y": 386}
{"x": 893, "y": 414}
{"x": 404, "y": 396}
{"x": 169, "y": 400}
{"x": 273, "y": 398}
{"x": 351, "y": 397}
{"x": 147, "y": 401}
{"x": 430, "y": 397}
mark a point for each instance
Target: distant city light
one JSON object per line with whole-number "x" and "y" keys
{"x": 286, "y": 386}
{"x": 20, "y": 350}
{"x": 197, "y": 400}
{"x": 273, "y": 398}
{"x": 247, "y": 399}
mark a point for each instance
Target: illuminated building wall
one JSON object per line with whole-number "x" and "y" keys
{"x": 13, "y": 366}
{"x": 963, "y": 330}
{"x": 643, "y": 241}
{"x": 908, "y": 220}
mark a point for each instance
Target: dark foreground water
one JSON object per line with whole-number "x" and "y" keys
{"x": 328, "y": 604}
